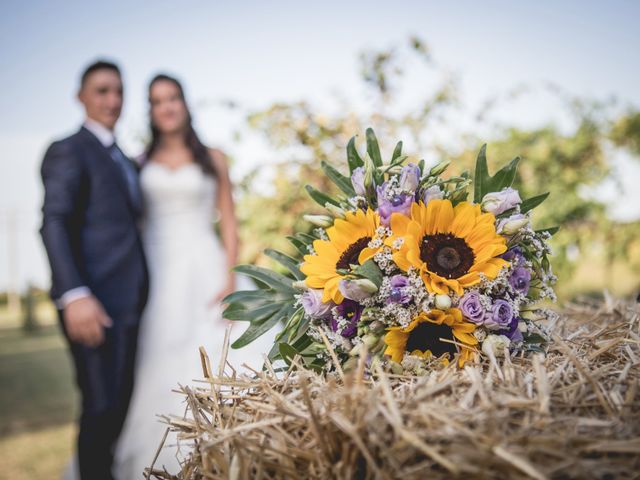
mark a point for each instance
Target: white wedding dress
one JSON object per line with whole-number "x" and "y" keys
{"x": 187, "y": 268}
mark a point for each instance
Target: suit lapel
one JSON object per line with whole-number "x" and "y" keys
{"x": 110, "y": 165}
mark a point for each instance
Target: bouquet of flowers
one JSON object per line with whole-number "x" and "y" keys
{"x": 406, "y": 268}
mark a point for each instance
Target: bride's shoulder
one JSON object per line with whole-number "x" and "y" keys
{"x": 219, "y": 159}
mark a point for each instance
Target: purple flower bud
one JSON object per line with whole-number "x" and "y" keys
{"x": 312, "y": 303}
{"x": 512, "y": 332}
{"x": 351, "y": 311}
{"x": 409, "y": 177}
{"x": 399, "y": 287}
{"x": 500, "y": 316}
{"x": 520, "y": 280}
{"x": 357, "y": 180}
{"x": 472, "y": 308}
{"x": 514, "y": 255}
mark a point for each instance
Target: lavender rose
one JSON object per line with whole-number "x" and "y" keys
{"x": 313, "y": 306}
{"x": 409, "y": 177}
{"x": 472, "y": 308}
{"x": 399, "y": 293}
{"x": 357, "y": 180}
{"x": 514, "y": 255}
{"x": 351, "y": 311}
{"x": 396, "y": 204}
{"x": 511, "y": 225}
{"x": 498, "y": 202}
{"x": 500, "y": 316}
{"x": 520, "y": 280}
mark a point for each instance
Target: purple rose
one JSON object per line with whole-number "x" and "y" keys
{"x": 351, "y": 311}
{"x": 396, "y": 204}
{"x": 512, "y": 332}
{"x": 500, "y": 316}
{"x": 313, "y": 306}
{"x": 498, "y": 202}
{"x": 432, "y": 193}
{"x": 520, "y": 279}
{"x": 399, "y": 293}
{"x": 472, "y": 308}
{"x": 409, "y": 177}
{"x": 357, "y": 180}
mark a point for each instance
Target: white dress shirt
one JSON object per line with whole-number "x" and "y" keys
{"x": 106, "y": 138}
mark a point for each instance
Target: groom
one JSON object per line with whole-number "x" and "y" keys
{"x": 99, "y": 279}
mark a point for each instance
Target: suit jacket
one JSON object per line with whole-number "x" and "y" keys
{"x": 90, "y": 225}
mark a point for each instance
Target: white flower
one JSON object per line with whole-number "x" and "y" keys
{"x": 432, "y": 193}
{"x": 319, "y": 220}
{"x": 443, "y": 302}
{"x": 495, "y": 344}
{"x": 513, "y": 224}
{"x": 498, "y": 202}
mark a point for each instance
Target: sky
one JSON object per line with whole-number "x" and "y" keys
{"x": 256, "y": 53}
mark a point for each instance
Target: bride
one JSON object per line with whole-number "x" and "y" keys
{"x": 183, "y": 183}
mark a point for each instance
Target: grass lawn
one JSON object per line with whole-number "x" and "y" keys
{"x": 37, "y": 404}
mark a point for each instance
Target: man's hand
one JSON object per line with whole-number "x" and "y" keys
{"x": 85, "y": 320}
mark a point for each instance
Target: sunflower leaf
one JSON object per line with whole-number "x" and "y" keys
{"x": 288, "y": 262}
{"x": 353, "y": 158}
{"x": 533, "y": 202}
{"x": 372, "y": 148}
{"x": 320, "y": 198}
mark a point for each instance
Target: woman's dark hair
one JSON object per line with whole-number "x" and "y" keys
{"x": 200, "y": 153}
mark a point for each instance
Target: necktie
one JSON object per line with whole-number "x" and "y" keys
{"x": 129, "y": 174}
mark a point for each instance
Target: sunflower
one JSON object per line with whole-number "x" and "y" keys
{"x": 348, "y": 244}
{"x": 450, "y": 247}
{"x": 433, "y": 334}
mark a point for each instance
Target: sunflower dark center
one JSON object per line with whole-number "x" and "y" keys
{"x": 447, "y": 255}
{"x": 427, "y": 335}
{"x": 350, "y": 255}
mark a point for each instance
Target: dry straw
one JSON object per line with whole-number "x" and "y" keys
{"x": 571, "y": 414}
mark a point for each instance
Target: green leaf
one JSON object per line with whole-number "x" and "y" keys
{"x": 287, "y": 352}
{"x": 533, "y": 202}
{"x": 255, "y": 315}
{"x": 397, "y": 152}
{"x": 481, "y": 174}
{"x": 353, "y": 158}
{"x": 551, "y": 230}
{"x": 370, "y": 271}
{"x": 288, "y": 262}
{"x": 256, "y": 330}
{"x": 504, "y": 177}
{"x": 485, "y": 183}
{"x": 247, "y": 296}
{"x": 301, "y": 247}
{"x": 373, "y": 149}
{"x": 266, "y": 276}
{"x": 343, "y": 183}
{"x": 320, "y": 198}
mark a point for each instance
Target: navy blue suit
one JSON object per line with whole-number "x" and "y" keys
{"x": 90, "y": 233}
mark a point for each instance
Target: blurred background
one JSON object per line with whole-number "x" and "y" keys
{"x": 280, "y": 86}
